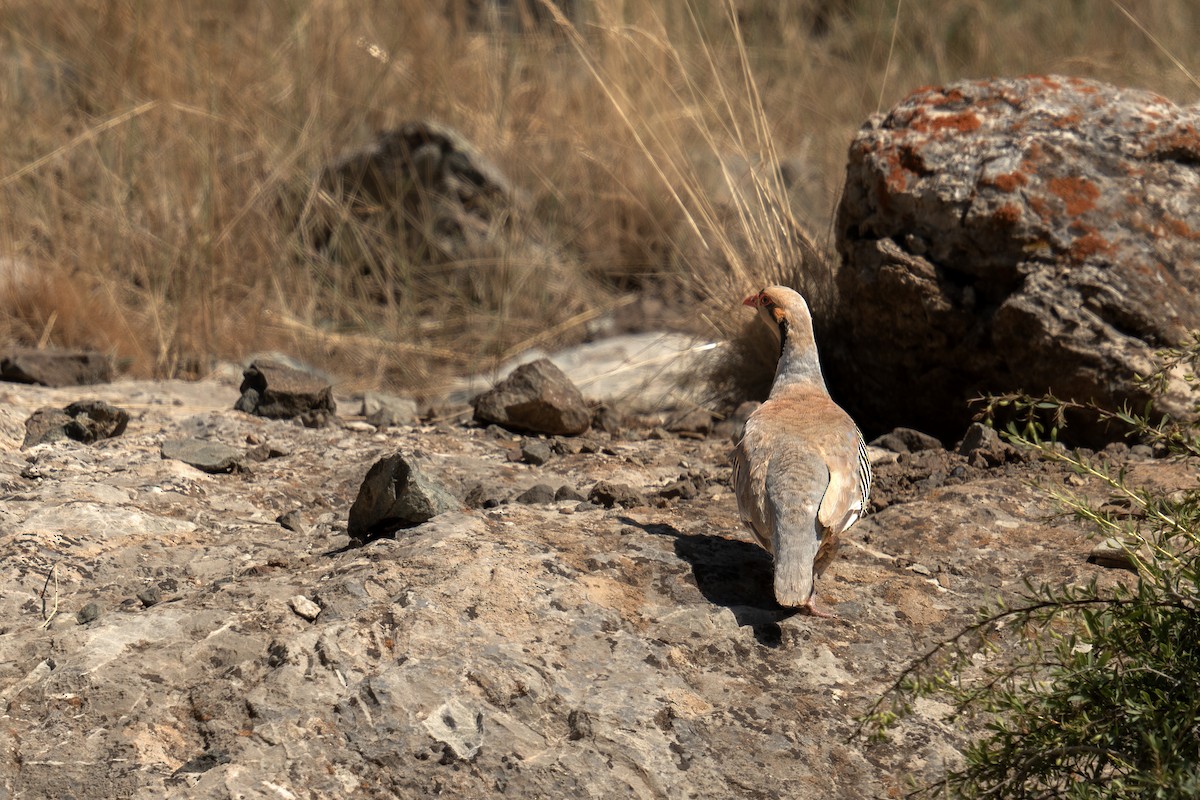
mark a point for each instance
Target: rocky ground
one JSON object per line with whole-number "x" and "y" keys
{"x": 166, "y": 631}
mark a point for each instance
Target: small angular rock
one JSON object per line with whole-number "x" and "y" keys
{"x": 983, "y": 447}
{"x": 579, "y": 723}
{"x": 92, "y": 420}
{"x": 679, "y": 490}
{"x": 385, "y": 410}
{"x": 304, "y": 607}
{"x": 609, "y": 494}
{"x": 150, "y": 596}
{"x": 539, "y": 494}
{"x": 45, "y": 425}
{"x": 535, "y": 452}
{"x": 89, "y": 613}
{"x": 907, "y": 440}
{"x": 397, "y": 494}
{"x": 482, "y": 496}
{"x": 292, "y": 521}
{"x": 277, "y": 391}
{"x": 566, "y": 492}
{"x": 537, "y": 397}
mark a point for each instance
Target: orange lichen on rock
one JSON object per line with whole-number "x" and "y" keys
{"x": 1008, "y": 182}
{"x": 1079, "y": 194}
{"x": 1007, "y": 214}
{"x": 1181, "y": 229}
{"x": 959, "y": 123}
{"x": 1040, "y": 207}
{"x": 1088, "y": 245}
{"x": 1183, "y": 140}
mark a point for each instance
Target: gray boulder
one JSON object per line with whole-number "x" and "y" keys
{"x": 1032, "y": 234}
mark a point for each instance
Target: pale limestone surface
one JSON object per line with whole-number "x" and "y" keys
{"x": 528, "y": 651}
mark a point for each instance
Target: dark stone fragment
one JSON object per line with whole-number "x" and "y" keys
{"x": 681, "y": 489}
{"x": 610, "y": 494}
{"x": 204, "y": 762}
{"x": 276, "y": 391}
{"x": 85, "y": 421}
{"x": 983, "y": 447}
{"x": 481, "y": 496}
{"x": 536, "y": 453}
{"x": 579, "y": 723}
{"x": 88, "y": 613}
{"x": 292, "y": 521}
{"x": 92, "y": 420}
{"x": 150, "y": 596}
{"x": 907, "y": 440}
{"x": 396, "y": 494}
{"x": 45, "y": 425}
{"x": 541, "y": 494}
{"x": 566, "y": 492}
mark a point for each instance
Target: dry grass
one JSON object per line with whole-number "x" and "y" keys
{"x": 147, "y": 147}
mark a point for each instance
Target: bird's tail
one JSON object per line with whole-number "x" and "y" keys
{"x": 797, "y": 536}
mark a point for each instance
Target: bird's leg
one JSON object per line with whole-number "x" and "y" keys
{"x": 812, "y": 609}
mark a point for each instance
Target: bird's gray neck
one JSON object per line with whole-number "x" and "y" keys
{"x": 798, "y": 361}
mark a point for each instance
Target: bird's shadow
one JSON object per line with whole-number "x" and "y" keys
{"x": 730, "y": 573}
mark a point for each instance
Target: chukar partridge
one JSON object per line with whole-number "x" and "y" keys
{"x": 800, "y": 471}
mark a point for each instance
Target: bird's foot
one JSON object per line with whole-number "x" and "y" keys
{"x": 813, "y": 610}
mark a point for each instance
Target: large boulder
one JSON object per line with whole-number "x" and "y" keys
{"x": 1030, "y": 234}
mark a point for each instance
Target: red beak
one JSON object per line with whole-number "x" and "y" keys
{"x": 754, "y": 300}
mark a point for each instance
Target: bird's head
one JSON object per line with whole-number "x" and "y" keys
{"x": 781, "y": 308}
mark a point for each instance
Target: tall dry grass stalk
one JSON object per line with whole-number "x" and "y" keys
{"x": 689, "y": 150}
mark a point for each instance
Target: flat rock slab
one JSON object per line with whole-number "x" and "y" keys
{"x": 536, "y": 397}
{"x": 278, "y": 391}
{"x": 554, "y": 650}
{"x": 55, "y": 367}
{"x": 207, "y": 456}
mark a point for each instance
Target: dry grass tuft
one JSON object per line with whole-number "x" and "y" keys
{"x": 688, "y": 150}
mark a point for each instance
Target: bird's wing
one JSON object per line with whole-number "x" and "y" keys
{"x": 750, "y": 486}
{"x": 849, "y": 480}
